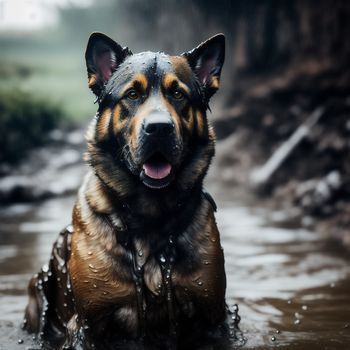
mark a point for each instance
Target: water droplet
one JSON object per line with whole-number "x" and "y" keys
{"x": 162, "y": 259}
{"x": 289, "y": 302}
{"x": 95, "y": 286}
{"x": 45, "y": 268}
{"x": 89, "y": 253}
{"x": 200, "y": 283}
{"x": 91, "y": 266}
{"x": 278, "y": 331}
{"x": 304, "y": 307}
{"x": 140, "y": 253}
{"x": 273, "y": 338}
{"x": 297, "y": 322}
{"x": 20, "y": 341}
{"x": 206, "y": 262}
{"x": 65, "y": 305}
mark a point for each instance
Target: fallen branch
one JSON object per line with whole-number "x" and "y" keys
{"x": 261, "y": 176}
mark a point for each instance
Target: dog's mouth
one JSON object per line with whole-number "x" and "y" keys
{"x": 156, "y": 171}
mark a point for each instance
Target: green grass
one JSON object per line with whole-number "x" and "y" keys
{"x": 56, "y": 76}
{"x": 25, "y": 122}
{"x": 42, "y": 87}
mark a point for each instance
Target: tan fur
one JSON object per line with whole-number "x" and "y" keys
{"x": 92, "y": 80}
{"x": 200, "y": 122}
{"x": 138, "y": 79}
{"x": 170, "y": 78}
{"x": 103, "y": 124}
{"x": 215, "y": 83}
{"x": 181, "y": 67}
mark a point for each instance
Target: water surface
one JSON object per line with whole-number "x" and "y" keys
{"x": 292, "y": 286}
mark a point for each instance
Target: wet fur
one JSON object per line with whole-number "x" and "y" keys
{"x": 137, "y": 263}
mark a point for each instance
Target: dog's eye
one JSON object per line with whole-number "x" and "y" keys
{"x": 132, "y": 94}
{"x": 178, "y": 95}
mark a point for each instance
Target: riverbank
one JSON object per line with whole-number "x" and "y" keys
{"x": 53, "y": 170}
{"x": 287, "y": 140}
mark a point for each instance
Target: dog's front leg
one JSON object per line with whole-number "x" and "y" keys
{"x": 74, "y": 335}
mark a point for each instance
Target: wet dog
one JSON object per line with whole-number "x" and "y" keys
{"x": 142, "y": 260}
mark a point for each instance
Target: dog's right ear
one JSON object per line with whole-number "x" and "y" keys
{"x": 103, "y": 56}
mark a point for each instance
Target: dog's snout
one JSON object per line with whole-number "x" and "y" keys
{"x": 158, "y": 125}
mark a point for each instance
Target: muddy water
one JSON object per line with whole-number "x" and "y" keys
{"x": 292, "y": 287}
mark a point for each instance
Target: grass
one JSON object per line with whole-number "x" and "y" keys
{"x": 41, "y": 87}
{"x": 25, "y": 122}
{"x": 52, "y": 75}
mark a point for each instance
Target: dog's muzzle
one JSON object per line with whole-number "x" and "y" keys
{"x": 157, "y": 146}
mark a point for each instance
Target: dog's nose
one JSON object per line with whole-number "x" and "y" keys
{"x": 158, "y": 125}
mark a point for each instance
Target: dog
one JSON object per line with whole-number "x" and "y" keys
{"x": 142, "y": 261}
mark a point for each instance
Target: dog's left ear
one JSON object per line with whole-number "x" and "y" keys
{"x": 103, "y": 56}
{"x": 206, "y": 60}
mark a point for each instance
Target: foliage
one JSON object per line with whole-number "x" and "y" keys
{"x": 25, "y": 122}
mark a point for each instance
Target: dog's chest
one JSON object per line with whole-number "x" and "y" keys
{"x": 152, "y": 269}
{"x": 104, "y": 279}
{"x": 158, "y": 285}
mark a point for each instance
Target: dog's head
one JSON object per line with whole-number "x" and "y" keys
{"x": 151, "y": 126}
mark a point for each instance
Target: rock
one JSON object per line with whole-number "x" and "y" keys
{"x": 54, "y": 170}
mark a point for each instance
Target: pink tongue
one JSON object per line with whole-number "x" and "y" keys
{"x": 157, "y": 171}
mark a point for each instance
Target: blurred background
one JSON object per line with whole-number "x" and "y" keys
{"x": 280, "y": 176}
